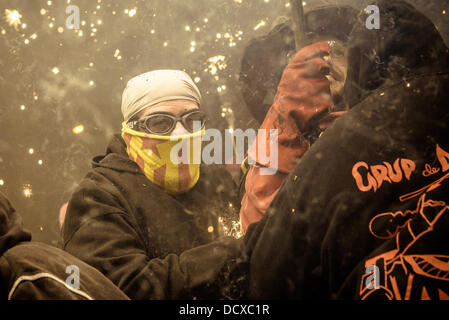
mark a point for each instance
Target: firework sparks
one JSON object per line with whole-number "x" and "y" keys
{"x": 78, "y": 129}
{"x": 215, "y": 64}
{"x": 27, "y": 191}
{"x": 13, "y": 18}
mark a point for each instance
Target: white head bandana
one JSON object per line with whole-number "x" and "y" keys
{"x": 156, "y": 86}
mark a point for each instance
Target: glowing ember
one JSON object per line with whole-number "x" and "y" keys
{"x": 78, "y": 129}
{"x": 27, "y": 191}
{"x": 13, "y": 18}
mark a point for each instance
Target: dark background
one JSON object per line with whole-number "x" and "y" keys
{"x": 54, "y": 104}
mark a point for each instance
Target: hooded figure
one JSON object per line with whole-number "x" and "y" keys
{"x": 135, "y": 205}
{"x": 36, "y": 271}
{"x": 365, "y": 214}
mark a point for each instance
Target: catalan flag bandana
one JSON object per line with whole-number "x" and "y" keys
{"x": 170, "y": 162}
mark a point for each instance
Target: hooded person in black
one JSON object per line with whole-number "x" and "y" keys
{"x": 123, "y": 222}
{"x": 36, "y": 271}
{"x": 365, "y": 213}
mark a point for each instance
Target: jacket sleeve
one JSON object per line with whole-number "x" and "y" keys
{"x": 99, "y": 231}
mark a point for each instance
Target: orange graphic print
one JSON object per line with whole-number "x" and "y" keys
{"x": 402, "y": 274}
{"x": 377, "y": 174}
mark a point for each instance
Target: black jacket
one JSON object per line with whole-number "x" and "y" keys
{"x": 36, "y": 271}
{"x": 365, "y": 213}
{"x": 134, "y": 232}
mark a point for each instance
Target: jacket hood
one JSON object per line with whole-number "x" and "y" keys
{"x": 11, "y": 231}
{"x": 116, "y": 157}
{"x": 407, "y": 45}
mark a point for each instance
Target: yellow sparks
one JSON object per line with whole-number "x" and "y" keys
{"x": 215, "y": 64}
{"x": 27, "y": 191}
{"x": 259, "y": 25}
{"x": 13, "y": 18}
{"x": 43, "y": 12}
{"x": 40, "y": 162}
{"x": 2, "y": 182}
{"x": 131, "y": 12}
{"x": 210, "y": 229}
{"x": 91, "y": 83}
{"x": 31, "y": 151}
{"x": 197, "y": 79}
{"x": 78, "y": 129}
{"x": 55, "y": 70}
{"x": 22, "y": 107}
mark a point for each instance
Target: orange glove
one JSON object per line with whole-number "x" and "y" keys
{"x": 301, "y": 106}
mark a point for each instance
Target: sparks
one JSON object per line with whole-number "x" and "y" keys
{"x": 27, "y": 191}
{"x": 259, "y": 25}
{"x": 131, "y": 12}
{"x": 78, "y": 129}
{"x": 13, "y": 17}
{"x": 215, "y": 64}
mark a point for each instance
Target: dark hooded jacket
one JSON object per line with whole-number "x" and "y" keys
{"x": 36, "y": 271}
{"x": 365, "y": 214}
{"x": 134, "y": 232}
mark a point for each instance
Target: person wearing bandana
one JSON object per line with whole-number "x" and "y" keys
{"x": 149, "y": 199}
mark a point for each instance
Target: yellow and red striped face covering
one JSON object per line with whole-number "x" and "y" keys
{"x": 154, "y": 155}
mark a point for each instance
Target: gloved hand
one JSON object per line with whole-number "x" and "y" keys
{"x": 303, "y": 97}
{"x": 302, "y": 108}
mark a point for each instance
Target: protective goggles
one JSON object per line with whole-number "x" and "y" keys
{"x": 164, "y": 123}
